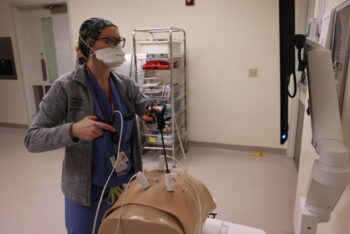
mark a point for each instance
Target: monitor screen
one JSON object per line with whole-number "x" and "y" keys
{"x": 287, "y": 60}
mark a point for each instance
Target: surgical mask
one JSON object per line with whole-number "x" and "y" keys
{"x": 110, "y": 56}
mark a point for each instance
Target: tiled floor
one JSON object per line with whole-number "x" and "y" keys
{"x": 257, "y": 192}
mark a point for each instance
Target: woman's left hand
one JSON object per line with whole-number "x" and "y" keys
{"x": 149, "y": 116}
{"x": 150, "y": 110}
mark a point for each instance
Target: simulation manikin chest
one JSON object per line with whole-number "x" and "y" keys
{"x": 156, "y": 211}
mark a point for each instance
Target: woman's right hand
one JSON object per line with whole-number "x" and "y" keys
{"x": 88, "y": 128}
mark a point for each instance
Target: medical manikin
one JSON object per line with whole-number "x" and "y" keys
{"x": 160, "y": 201}
{"x": 157, "y": 211}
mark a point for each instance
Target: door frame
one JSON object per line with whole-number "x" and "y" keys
{"x": 341, "y": 93}
{"x": 16, "y": 9}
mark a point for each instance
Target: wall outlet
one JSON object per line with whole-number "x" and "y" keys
{"x": 253, "y": 72}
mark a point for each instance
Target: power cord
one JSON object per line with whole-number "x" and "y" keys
{"x": 295, "y": 86}
{"x": 300, "y": 45}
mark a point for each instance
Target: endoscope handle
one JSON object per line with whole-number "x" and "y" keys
{"x": 160, "y": 118}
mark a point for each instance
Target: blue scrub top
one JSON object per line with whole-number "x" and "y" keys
{"x": 103, "y": 147}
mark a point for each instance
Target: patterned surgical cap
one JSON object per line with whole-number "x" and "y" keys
{"x": 88, "y": 33}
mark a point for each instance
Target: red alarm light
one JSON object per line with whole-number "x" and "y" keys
{"x": 189, "y": 2}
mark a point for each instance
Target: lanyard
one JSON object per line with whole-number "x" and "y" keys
{"x": 110, "y": 97}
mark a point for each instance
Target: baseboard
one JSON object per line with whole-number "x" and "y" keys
{"x": 12, "y": 125}
{"x": 238, "y": 147}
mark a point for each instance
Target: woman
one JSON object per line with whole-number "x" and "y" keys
{"x": 80, "y": 113}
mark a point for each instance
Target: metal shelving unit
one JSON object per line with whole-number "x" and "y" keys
{"x": 163, "y": 44}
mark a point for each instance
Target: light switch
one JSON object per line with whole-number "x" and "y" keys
{"x": 253, "y": 72}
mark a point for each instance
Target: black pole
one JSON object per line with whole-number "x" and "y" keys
{"x": 164, "y": 152}
{"x": 161, "y": 126}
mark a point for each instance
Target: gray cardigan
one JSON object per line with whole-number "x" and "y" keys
{"x": 68, "y": 101}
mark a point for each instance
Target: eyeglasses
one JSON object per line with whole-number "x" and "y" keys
{"x": 113, "y": 42}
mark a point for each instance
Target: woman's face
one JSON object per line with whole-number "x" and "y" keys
{"x": 104, "y": 39}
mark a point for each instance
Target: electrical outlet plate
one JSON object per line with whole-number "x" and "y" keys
{"x": 253, "y": 72}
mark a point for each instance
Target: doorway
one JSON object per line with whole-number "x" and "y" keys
{"x": 45, "y": 47}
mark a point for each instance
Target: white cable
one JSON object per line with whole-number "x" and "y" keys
{"x": 200, "y": 209}
{"x": 173, "y": 158}
{"x": 222, "y": 224}
{"x": 199, "y": 203}
{"x": 181, "y": 145}
{"x": 161, "y": 164}
{"x": 110, "y": 175}
{"x": 123, "y": 200}
{"x": 185, "y": 171}
{"x": 193, "y": 198}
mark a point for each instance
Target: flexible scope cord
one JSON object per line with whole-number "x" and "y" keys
{"x": 110, "y": 175}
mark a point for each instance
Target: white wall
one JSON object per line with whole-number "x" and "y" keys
{"x": 339, "y": 223}
{"x": 12, "y": 101}
{"x": 225, "y": 39}
{"x": 12, "y": 93}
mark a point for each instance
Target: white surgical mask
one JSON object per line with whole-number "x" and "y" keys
{"x": 111, "y": 56}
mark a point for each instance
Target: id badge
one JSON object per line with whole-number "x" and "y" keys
{"x": 122, "y": 163}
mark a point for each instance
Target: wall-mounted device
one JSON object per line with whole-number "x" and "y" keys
{"x": 287, "y": 60}
{"x": 189, "y": 2}
{"x": 7, "y": 61}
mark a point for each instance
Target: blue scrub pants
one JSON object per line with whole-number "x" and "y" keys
{"x": 80, "y": 219}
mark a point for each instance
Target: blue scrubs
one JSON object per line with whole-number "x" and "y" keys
{"x": 79, "y": 219}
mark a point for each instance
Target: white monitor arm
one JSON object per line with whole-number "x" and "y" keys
{"x": 331, "y": 173}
